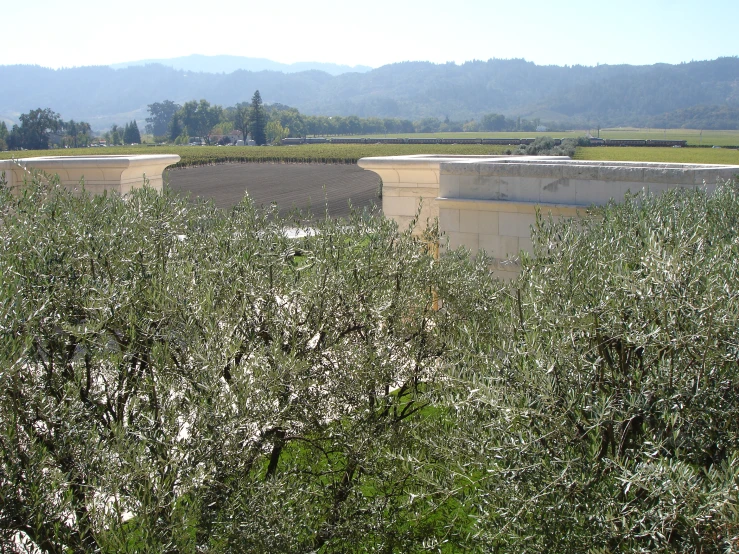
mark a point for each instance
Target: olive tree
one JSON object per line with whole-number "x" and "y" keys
{"x": 596, "y": 397}
{"x": 178, "y": 378}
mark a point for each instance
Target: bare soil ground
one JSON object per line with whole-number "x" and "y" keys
{"x": 309, "y": 187}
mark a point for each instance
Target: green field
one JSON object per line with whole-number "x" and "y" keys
{"x": 694, "y": 137}
{"x": 648, "y": 154}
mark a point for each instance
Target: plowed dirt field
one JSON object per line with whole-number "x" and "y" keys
{"x": 304, "y": 186}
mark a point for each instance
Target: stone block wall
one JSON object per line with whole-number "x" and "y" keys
{"x": 118, "y": 174}
{"x": 490, "y": 203}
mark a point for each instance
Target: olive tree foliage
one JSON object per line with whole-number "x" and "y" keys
{"x": 180, "y": 379}
{"x": 596, "y": 398}
{"x": 176, "y": 378}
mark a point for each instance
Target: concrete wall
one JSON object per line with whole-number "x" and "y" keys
{"x": 100, "y": 173}
{"x": 489, "y": 203}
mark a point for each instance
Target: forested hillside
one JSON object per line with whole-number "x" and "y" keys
{"x": 697, "y": 94}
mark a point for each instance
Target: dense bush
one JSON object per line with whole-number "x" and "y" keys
{"x": 178, "y": 378}
{"x": 604, "y": 410}
{"x": 545, "y": 146}
{"x": 175, "y": 377}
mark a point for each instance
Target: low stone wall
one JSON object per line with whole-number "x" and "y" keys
{"x": 489, "y": 203}
{"x": 118, "y": 174}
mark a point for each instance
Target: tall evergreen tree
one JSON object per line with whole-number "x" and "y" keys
{"x": 175, "y": 127}
{"x": 135, "y": 133}
{"x": 131, "y": 134}
{"x": 258, "y": 120}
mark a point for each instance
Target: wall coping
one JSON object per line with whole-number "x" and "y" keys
{"x": 100, "y": 162}
{"x": 120, "y": 173}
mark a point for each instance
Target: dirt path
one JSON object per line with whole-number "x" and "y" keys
{"x": 288, "y": 185}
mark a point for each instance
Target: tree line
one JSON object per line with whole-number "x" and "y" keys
{"x": 40, "y": 128}
{"x": 168, "y": 121}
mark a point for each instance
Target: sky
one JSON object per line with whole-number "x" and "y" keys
{"x": 73, "y": 33}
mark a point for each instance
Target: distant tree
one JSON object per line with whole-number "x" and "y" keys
{"x": 289, "y": 118}
{"x": 428, "y": 125}
{"x": 14, "y": 138}
{"x": 131, "y": 135}
{"x": 114, "y": 136}
{"x": 241, "y": 118}
{"x": 406, "y": 126}
{"x": 493, "y": 122}
{"x": 162, "y": 114}
{"x": 35, "y": 129}
{"x": 353, "y": 125}
{"x": 275, "y": 132}
{"x": 471, "y": 126}
{"x": 200, "y": 118}
{"x": 3, "y": 136}
{"x": 258, "y": 120}
{"x": 175, "y": 128}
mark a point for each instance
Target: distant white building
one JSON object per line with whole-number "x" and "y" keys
{"x": 542, "y": 128}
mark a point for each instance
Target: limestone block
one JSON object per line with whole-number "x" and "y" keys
{"x": 520, "y": 189}
{"x": 399, "y": 205}
{"x": 468, "y": 221}
{"x": 580, "y": 172}
{"x": 499, "y": 246}
{"x": 669, "y": 175}
{"x": 475, "y": 186}
{"x": 590, "y": 192}
{"x": 420, "y": 176}
{"x": 448, "y": 186}
{"x": 525, "y": 244}
{"x": 449, "y": 219}
{"x": 388, "y": 175}
{"x": 621, "y": 173}
{"x": 487, "y": 222}
{"x": 467, "y": 240}
{"x": 558, "y": 191}
{"x": 515, "y": 224}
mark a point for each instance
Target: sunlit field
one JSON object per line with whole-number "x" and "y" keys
{"x": 694, "y": 137}
{"x": 650, "y": 154}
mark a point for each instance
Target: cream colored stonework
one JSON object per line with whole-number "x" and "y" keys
{"x": 489, "y": 202}
{"x": 98, "y": 173}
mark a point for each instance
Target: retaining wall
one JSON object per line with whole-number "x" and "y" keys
{"x": 489, "y": 203}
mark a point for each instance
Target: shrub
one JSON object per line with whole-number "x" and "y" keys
{"x": 603, "y": 413}
{"x": 180, "y": 378}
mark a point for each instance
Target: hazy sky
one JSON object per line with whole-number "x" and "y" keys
{"x": 55, "y": 33}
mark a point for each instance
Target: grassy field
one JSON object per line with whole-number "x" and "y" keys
{"x": 647, "y": 154}
{"x": 693, "y": 136}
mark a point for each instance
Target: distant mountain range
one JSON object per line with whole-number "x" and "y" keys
{"x": 229, "y": 64}
{"x": 702, "y": 94}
